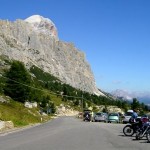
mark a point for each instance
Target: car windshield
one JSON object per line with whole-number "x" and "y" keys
{"x": 113, "y": 114}
{"x": 99, "y": 114}
{"x": 128, "y": 114}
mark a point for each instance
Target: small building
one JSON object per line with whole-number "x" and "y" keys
{"x": 30, "y": 104}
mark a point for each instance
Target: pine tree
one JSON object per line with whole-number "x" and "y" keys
{"x": 135, "y": 104}
{"x": 18, "y": 81}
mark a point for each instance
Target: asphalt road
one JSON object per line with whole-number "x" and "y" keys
{"x": 69, "y": 133}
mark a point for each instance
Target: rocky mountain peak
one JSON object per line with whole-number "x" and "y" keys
{"x": 34, "y": 41}
{"x": 43, "y": 25}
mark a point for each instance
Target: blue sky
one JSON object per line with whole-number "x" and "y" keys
{"x": 114, "y": 35}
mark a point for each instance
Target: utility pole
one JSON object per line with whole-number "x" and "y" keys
{"x": 82, "y": 106}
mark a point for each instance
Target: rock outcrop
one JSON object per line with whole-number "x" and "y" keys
{"x": 65, "y": 111}
{"x": 34, "y": 41}
{"x": 4, "y": 125}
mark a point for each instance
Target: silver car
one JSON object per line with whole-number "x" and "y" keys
{"x": 100, "y": 117}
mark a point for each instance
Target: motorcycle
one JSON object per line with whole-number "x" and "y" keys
{"x": 132, "y": 128}
{"x": 148, "y": 135}
{"x": 141, "y": 132}
{"x": 87, "y": 117}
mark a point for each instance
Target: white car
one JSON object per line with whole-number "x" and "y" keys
{"x": 127, "y": 116}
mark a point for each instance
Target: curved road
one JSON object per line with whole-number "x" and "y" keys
{"x": 69, "y": 133}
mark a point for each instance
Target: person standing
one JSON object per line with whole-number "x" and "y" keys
{"x": 92, "y": 116}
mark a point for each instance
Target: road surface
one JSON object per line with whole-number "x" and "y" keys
{"x": 69, "y": 133}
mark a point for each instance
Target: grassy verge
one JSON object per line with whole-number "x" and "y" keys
{"x": 18, "y": 114}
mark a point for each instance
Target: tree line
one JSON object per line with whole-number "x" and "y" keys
{"x": 22, "y": 85}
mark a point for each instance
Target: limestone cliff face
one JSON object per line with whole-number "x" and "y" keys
{"x": 34, "y": 41}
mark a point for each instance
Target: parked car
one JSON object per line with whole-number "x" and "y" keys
{"x": 113, "y": 117}
{"x": 127, "y": 117}
{"x": 100, "y": 116}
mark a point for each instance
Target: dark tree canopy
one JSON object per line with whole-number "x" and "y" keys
{"x": 18, "y": 82}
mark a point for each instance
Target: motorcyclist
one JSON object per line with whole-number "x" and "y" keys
{"x": 87, "y": 116}
{"x": 134, "y": 115}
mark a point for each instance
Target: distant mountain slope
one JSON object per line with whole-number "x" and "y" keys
{"x": 34, "y": 41}
{"x": 126, "y": 95}
{"x": 123, "y": 94}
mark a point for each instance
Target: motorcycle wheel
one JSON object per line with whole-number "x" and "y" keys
{"x": 128, "y": 131}
{"x": 138, "y": 135}
{"x": 148, "y": 135}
